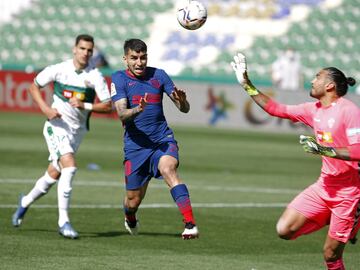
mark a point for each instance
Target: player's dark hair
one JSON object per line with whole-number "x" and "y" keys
{"x": 340, "y": 80}
{"x": 85, "y": 37}
{"x": 135, "y": 44}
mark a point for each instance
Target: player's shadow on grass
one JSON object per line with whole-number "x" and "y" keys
{"x": 83, "y": 234}
{"x": 101, "y": 234}
{"x": 123, "y": 233}
{"x": 177, "y": 235}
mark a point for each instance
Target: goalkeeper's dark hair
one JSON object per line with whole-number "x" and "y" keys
{"x": 85, "y": 37}
{"x": 134, "y": 44}
{"x": 340, "y": 80}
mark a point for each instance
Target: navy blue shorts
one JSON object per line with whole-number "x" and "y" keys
{"x": 142, "y": 165}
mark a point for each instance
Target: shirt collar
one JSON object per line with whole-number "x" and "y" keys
{"x": 77, "y": 71}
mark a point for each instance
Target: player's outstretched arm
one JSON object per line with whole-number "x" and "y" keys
{"x": 50, "y": 113}
{"x": 310, "y": 145}
{"x": 239, "y": 65}
{"x": 126, "y": 114}
{"x": 178, "y": 96}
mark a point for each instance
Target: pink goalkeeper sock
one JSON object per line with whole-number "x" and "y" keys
{"x": 337, "y": 265}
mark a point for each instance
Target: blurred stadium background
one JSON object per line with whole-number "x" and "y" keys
{"x": 237, "y": 178}
{"x": 35, "y": 33}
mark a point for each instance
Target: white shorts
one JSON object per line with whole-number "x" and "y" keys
{"x": 61, "y": 139}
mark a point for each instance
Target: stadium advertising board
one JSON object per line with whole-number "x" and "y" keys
{"x": 14, "y": 94}
{"x": 229, "y": 106}
{"x": 216, "y": 105}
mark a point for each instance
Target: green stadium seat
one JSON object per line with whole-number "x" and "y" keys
{"x": 108, "y": 20}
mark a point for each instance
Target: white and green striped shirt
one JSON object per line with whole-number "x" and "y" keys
{"x": 85, "y": 84}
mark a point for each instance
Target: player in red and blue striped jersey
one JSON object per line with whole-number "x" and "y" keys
{"x": 149, "y": 144}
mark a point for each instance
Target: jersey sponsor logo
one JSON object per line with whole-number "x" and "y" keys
{"x": 150, "y": 98}
{"x": 136, "y": 99}
{"x": 352, "y": 131}
{"x": 78, "y": 95}
{"x": 153, "y": 98}
{"x": 113, "y": 90}
{"x": 131, "y": 84}
{"x": 324, "y": 137}
{"x": 69, "y": 94}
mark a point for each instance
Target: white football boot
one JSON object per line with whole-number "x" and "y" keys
{"x": 68, "y": 231}
{"x": 190, "y": 232}
{"x": 132, "y": 228}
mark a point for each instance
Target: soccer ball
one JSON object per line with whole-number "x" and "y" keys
{"x": 192, "y": 15}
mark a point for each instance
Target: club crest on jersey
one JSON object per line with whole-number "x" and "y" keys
{"x": 323, "y": 136}
{"x": 331, "y": 122}
{"x": 89, "y": 84}
{"x": 155, "y": 83}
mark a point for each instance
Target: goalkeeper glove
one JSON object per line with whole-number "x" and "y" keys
{"x": 311, "y": 146}
{"x": 240, "y": 68}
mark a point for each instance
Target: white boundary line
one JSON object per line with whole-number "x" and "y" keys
{"x": 160, "y": 205}
{"x": 162, "y": 185}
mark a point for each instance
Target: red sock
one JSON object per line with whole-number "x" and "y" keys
{"x": 336, "y": 265}
{"x": 181, "y": 197}
{"x": 185, "y": 209}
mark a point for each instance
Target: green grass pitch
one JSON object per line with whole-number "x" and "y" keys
{"x": 239, "y": 184}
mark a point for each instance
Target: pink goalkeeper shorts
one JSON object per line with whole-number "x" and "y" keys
{"x": 335, "y": 205}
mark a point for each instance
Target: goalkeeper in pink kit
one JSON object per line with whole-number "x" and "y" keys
{"x": 334, "y": 199}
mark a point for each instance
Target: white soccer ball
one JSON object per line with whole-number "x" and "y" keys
{"x": 191, "y": 14}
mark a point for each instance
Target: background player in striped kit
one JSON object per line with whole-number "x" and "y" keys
{"x": 75, "y": 87}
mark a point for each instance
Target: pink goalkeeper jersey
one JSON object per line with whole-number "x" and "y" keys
{"x": 337, "y": 125}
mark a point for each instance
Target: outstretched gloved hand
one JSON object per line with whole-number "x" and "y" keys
{"x": 310, "y": 145}
{"x": 240, "y": 67}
